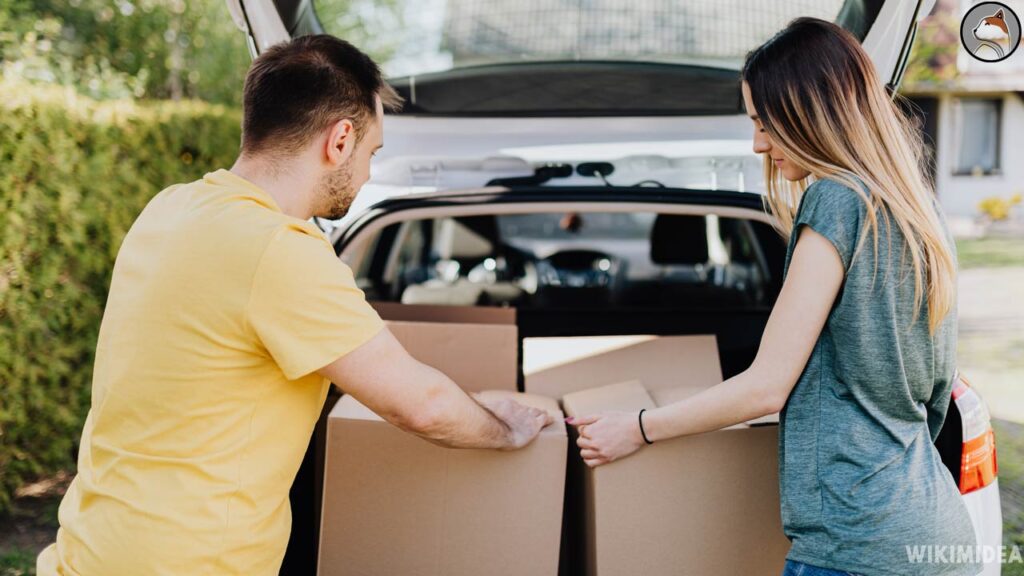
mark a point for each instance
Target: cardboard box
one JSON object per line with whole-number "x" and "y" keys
{"x": 445, "y": 314}
{"x": 395, "y": 504}
{"x": 700, "y": 505}
{"x": 558, "y": 366}
{"x": 476, "y": 347}
{"x": 476, "y": 356}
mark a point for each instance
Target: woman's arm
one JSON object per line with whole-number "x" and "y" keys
{"x": 814, "y": 278}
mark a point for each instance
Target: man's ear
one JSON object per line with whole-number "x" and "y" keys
{"x": 341, "y": 141}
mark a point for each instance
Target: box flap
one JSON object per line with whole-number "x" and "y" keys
{"x": 540, "y": 354}
{"x": 626, "y": 396}
{"x": 436, "y": 313}
{"x": 476, "y": 356}
{"x": 557, "y": 366}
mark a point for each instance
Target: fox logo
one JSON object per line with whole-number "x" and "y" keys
{"x": 993, "y": 37}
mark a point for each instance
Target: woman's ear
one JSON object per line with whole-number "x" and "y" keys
{"x": 341, "y": 141}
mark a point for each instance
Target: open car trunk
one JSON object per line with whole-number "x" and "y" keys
{"x": 604, "y": 325}
{"x": 466, "y": 230}
{"x": 453, "y": 235}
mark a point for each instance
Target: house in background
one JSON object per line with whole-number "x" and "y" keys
{"x": 973, "y": 112}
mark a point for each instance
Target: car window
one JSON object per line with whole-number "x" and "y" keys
{"x": 574, "y": 259}
{"x": 418, "y": 36}
{"x": 571, "y": 226}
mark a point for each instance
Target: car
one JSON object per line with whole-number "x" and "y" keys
{"x": 590, "y": 164}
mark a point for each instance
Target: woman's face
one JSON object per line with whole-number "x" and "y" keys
{"x": 763, "y": 144}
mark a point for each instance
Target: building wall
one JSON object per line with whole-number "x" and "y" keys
{"x": 960, "y": 194}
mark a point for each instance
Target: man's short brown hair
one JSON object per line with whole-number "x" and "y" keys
{"x": 296, "y": 89}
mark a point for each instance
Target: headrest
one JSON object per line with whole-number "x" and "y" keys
{"x": 456, "y": 240}
{"x": 679, "y": 239}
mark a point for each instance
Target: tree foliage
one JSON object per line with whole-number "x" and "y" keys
{"x": 108, "y": 49}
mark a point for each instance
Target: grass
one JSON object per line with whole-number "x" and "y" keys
{"x": 992, "y": 251}
{"x": 1010, "y": 454}
{"x": 1012, "y": 568}
{"x": 18, "y": 562}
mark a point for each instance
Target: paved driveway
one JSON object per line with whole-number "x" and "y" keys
{"x": 991, "y": 345}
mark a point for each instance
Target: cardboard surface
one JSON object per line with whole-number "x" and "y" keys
{"x": 558, "y": 366}
{"x": 476, "y": 356}
{"x": 396, "y": 504}
{"x": 438, "y": 313}
{"x": 702, "y": 505}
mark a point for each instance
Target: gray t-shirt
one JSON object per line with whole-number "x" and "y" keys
{"x": 859, "y": 476}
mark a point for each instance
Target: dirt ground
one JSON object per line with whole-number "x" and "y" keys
{"x": 32, "y": 525}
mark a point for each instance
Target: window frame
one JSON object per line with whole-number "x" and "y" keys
{"x": 958, "y": 125}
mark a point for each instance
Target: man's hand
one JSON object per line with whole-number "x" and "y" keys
{"x": 608, "y": 436}
{"x": 523, "y": 422}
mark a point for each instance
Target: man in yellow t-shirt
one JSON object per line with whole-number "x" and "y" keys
{"x": 228, "y": 316}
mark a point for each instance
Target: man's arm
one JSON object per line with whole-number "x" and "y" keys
{"x": 423, "y": 401}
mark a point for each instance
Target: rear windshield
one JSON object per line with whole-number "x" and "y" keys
{"x": 411, "y": 37}
{"x": 558, "y": 260}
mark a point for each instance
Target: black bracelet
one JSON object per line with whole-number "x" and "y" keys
{"x": 641, "y": 419}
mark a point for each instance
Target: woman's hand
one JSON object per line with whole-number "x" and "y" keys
{"x": 607, "y": 436}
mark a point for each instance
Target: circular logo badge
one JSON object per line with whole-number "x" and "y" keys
{"x": 990, "y": 31}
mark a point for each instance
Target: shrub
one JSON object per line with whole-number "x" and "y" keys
{"x": 74, "y": 174}
{"x": 998, "y": 208}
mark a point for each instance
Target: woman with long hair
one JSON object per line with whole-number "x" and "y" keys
{"x": 858, "y": 355}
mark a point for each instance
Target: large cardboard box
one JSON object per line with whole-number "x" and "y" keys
{"x": 703, "y": 505}
{"x": 558, "y": 366}
{"x": 476, "y": 347}
{"x": 395, "y": 504}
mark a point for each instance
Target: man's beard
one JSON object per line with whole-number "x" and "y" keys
{"x": 335, "y": 194}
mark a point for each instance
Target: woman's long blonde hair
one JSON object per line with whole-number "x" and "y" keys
{"x": 821, "y": 102}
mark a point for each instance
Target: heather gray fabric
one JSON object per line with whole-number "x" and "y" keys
{"x": 859, "y": 477}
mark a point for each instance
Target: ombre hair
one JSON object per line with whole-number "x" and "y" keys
{"x": 820, "y": 101}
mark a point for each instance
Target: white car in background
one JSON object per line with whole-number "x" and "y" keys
{"x": 589, "y": 163}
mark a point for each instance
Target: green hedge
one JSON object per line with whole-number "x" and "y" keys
{"x": 74, "y": 174}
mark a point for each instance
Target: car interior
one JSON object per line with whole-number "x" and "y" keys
{"x": 587, "y": 272}
{"x": 572, "y": 260}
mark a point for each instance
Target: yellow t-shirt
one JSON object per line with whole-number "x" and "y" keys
{"x": 204, "y": 392}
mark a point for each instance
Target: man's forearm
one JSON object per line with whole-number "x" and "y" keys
{"x": 415, "y": 397}
{"x": 452, "y": 418}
